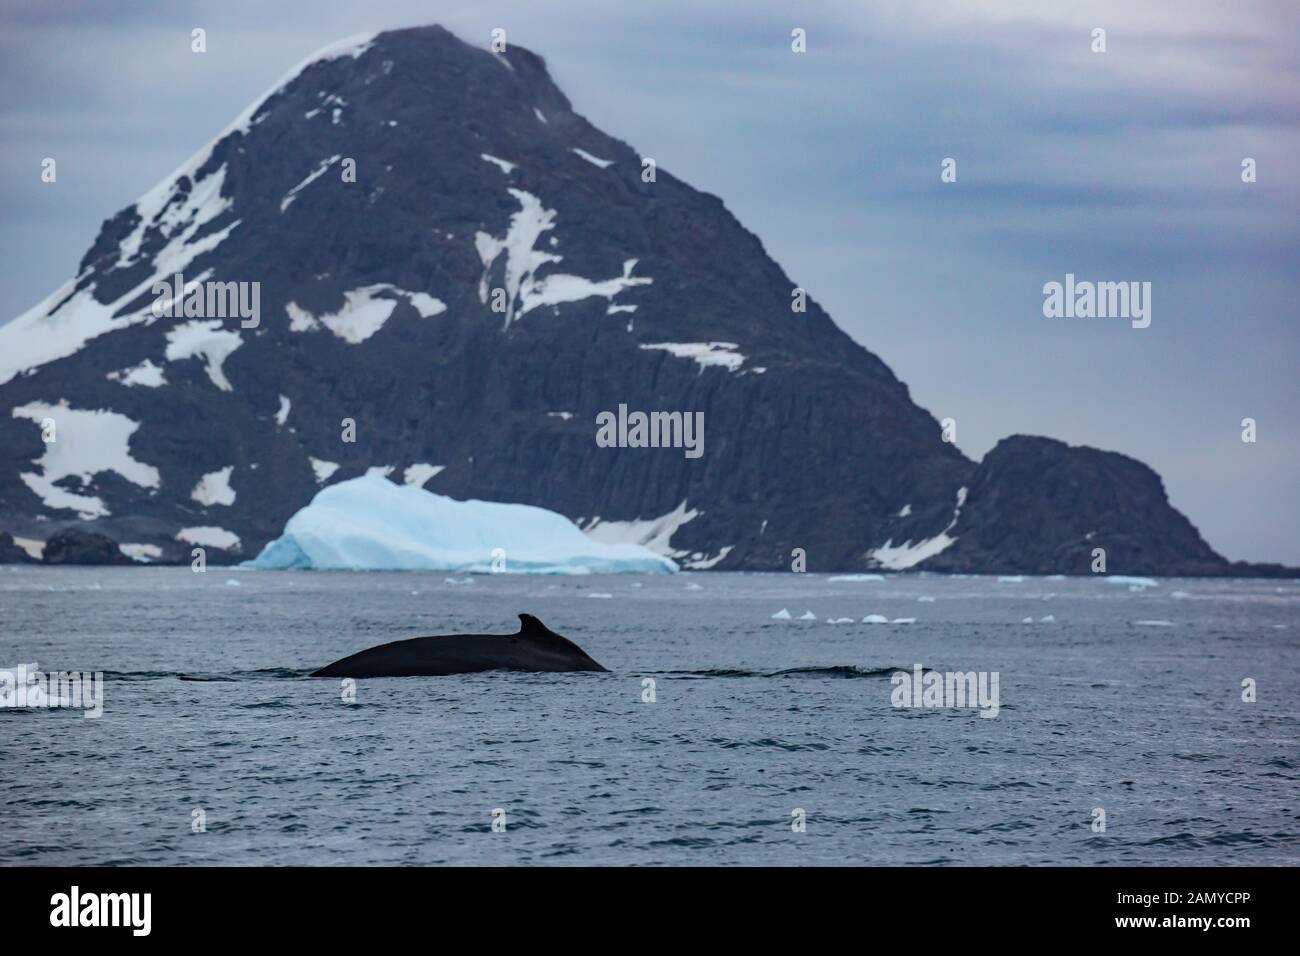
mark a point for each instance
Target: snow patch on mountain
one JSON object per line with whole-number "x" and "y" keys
{"x": 205, "y": 339}
{"x": 208, "y": 536}
{"x": 906, "y": 555}
{"x": 500, "y": 164}
{"x": 653, "y": 533}
{"x": 86, "y": 443}
{"x": 419, "y": 474}
{"x": 363, "y": 313}
{"x": 214, "y": 488}
{"x": 323, "y": 469}
{"x": 316, "y": 174}
{"x": 594, "y": 160}
{"x": 704, "y": 354}
{"x": 524, "y": 289}
{"x": 146, "y": 375}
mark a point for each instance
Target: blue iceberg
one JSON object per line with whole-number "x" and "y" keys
{"x": 371, "y": 524}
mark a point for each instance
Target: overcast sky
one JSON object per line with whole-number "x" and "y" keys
{"x": 1124, "y": 165}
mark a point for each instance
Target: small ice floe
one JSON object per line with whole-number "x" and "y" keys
{"x": 781, "y": 615}
{"x": 1028, "y": 620}
{"x": 875, "y": 619}
{"x": 1049, "y": 595}
{"x": 839, "y": 620}
{"x": 694, "y": 587}
{"x": 904, "y": 620}
{"x": 458, "y": 580}
{"x": 1133, "y": 584}
{"x": 1011, "y": 579}
{"x": 1180, "y": 595}
{"x": 1049, "y": 619}
{"x": 925, "y": 599}
{"x": 1160, "y": 623}
{"x": 807, "y": 616}
{"x": 857, "y": 577}
{"x": 232, "y": 583}
{"x": 598, "y": 594}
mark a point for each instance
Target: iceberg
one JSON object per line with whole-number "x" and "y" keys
{"x": 371, "y": 524}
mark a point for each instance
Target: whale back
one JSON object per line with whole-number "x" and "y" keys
{"x": 534, "y": 648}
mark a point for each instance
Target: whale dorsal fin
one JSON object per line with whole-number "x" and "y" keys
{"x": 530, "y": 626}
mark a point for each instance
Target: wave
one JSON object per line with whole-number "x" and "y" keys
{"x": 841, "y": 671}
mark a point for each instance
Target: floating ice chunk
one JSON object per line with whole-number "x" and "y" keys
{"x": 1011, "y": 579}
{"x": 692, "y": 586}
{"x": 839, "y": 620}
{"x": 856, "y": 577}
{"x": 1049, "y": 619}
{"x": 593, "y": 594}
{"x": 86, "y": 444}
{"x": 594, "y": 160}
{"x": 232, "y": 583}
{"x": 1155, "y": 623}
{"x": 703, "y": 353}
{"x": 207, "y": 536}
{"x": 146, "y": 374}
{"x": 807, "y": 616}
{"x": 781, "y": 615}
{"x": 1132, "y": 582}
{"x": 214, "y": 488}
{"x": 904, "y": 620}
{"x": 907, "y": 510}
{"x": 282, "y": 415}
{"x": 541, "y": 117}
{"x": 204, "y": 339}
{"x": 925, "y": 599}
{"x": 369, "y": 523}
{"x": 875, "y": 619}
{"x": 1028, "y": 620}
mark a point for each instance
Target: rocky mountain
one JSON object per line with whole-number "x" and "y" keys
{"x": 456, "y": 274}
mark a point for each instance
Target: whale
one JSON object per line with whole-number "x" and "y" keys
{"x": 534, "y": 648}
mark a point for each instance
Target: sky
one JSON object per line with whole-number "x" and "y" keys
{"x": 1115, "y": 166}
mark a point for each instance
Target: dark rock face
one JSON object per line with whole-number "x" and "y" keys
{"x": 74, "y": 546}
{"x": 1039, "y": 506}
{"x": 477, "y": 185}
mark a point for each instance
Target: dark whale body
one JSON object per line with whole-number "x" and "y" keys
{"x": 535, "y": 648}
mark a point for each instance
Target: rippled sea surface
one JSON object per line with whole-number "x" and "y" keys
{"x": 207, "y": 708}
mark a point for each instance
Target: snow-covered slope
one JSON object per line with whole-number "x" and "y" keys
{"x": 371, "y": 524}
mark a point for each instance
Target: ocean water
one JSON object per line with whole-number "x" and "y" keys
{"x": 206, "y": 707}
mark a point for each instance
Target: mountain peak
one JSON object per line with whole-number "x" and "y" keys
{"x": 436, "y": 271}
